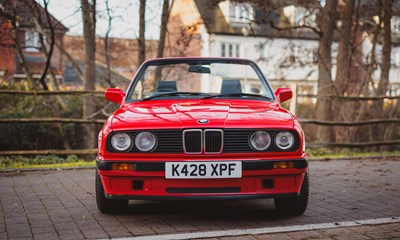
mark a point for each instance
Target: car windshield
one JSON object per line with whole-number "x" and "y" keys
{"x": 199, "y": 79}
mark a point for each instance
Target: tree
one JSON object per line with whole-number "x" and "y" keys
{"x": 344, "y": 50}
{"x": 163, "y": 27}
{"x": 107, "y": 46}
{"x": 163, "y": 30}
{"x": 142, "y": 27}
{"x": 327, "y": 20}
{"x": 89, "y": 105}
{"x": 8, "y": 11}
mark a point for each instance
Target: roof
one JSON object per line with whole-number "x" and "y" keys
{"x": 71, "y": 77}
{"x": 269, "y": 17}
{"x": 36, "y": 65}
{"x": 27, "y": 10}
{"x": 264, "y": 25}
{"x": 123, "y": 52}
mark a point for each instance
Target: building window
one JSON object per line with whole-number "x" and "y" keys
{"x": 313, "y": 56}
{"x": 262, "y": 51}
{"x": 32, "y": 41}
{"x": 395, "y": 25}
{"x": 240, "y": 12}
{"x": 293, "y": 55}
{"x": 299, "y": 16}
{"x": 223, "y": 50}
{"x": 230, "y": 50}
{"x": 395, "y": 58}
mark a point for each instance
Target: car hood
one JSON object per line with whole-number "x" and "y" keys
{"x": 167, "y": 114}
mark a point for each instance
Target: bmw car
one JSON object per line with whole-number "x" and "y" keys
{"x": 201, "y": 129}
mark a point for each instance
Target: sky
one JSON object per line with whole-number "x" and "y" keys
{"x": 125, "y": 14}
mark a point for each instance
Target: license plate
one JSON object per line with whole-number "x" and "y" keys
{"x": 203, "y": 170}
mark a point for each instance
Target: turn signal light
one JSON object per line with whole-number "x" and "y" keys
{"x": 122, "y": 166}
{"x": 283, "y": 165}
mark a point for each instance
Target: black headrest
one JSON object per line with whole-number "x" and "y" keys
{"x": 231, "y": 86}
{"x": 166, "y": 86}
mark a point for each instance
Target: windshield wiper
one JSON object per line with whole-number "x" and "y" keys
{"x": 166, "y": 94}
{"x": 238, "y": 95}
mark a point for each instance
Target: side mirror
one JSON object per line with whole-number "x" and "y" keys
{"x": 114, "y": 95}
{"x": 283, "y": 94}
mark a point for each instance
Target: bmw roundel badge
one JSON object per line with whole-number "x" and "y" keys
{"x": 203, "y": 121}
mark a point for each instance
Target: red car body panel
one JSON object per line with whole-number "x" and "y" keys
{"x": 183, "y": 114}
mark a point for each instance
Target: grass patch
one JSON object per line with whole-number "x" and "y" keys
{"x": 46, "y": 161}
{"x": 344, "y": 153}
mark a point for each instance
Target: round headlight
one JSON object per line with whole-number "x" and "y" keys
{"x": 284, "y": 140}
{"x": 260, "y": 140}
{"x": 121, "y": 141}
{"x": 145, "y": 141}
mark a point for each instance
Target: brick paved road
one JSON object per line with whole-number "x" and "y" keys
{"x": 51, "y": 205}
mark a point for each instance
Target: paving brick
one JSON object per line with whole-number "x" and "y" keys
{"x": 45, "y": 236}
{"x": 379, "y": 235}
{"x": 276, "y": 236}
{"x": 41, "y": 223}
{"x": 336, "y": 231}
{"x": 305, "y": 235}
{"x": 72, "y": 237}
{"x": 3, "y": 236}
{"x": 18, "y": 230}
{"x": 245, "y": 237}
{"x": 352, "y": 237}
{"x": 74, "y": 232}
{"x": 16, "y": 220}
{"x": 94, "y": 234}
{"x": 119, "y": 234}
{"x": 48, "y": 229}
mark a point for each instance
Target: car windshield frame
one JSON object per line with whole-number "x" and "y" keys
{"x": 200, "y": 62}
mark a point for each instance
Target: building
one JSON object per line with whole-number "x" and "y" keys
{"x": 123, "y": 60}
{"x": 27, "y": 11}
{"x": 287, "y": 55}
{"x": 123, "y": 53}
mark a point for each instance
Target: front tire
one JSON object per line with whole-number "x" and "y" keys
{"x": 294, "y": 205}
{"x": 106, "y": 205}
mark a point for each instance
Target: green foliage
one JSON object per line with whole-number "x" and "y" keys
{"x": 72, "y": 159}
{"x": 346, "y": 152}
{"x": 43, "y": 161}
{"x": 27, "y": 136}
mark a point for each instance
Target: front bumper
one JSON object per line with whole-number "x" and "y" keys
{"x": 147, "y": 182}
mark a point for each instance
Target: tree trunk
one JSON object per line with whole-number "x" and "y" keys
{"x": 364, "y": 109}
{"x": 387, "y": 45}
{"x": 163, "y": 28}
{"x": 107, "y": 46}
{"x": 325, "y": 84}
{"x": 385, "y": 67}
{"x": 163, "y": 31}
{"x": 142, "y": 26}
{"x": 89, "y": 106}
{"x": 344, "y": 50}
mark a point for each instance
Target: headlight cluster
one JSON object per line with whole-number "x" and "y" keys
{"x": 261, "y": 140}
{"x": 144, "y": 141}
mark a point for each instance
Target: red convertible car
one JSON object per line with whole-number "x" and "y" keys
{"x": 201, "y": 129}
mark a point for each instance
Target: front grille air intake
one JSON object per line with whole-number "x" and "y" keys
{"x": 192, "y": 141}
{"x": 213, "y": 140}
{"x": 198, "y": 141}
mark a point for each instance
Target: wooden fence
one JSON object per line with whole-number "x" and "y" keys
{"x": 99, "y": 121}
